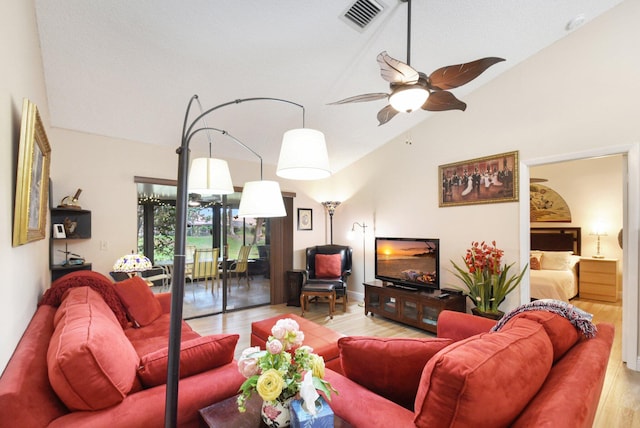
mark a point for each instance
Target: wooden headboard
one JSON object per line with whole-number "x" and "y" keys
{"x": 556, "y": 239}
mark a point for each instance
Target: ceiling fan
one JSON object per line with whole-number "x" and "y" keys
{"x": 411, "y": 89}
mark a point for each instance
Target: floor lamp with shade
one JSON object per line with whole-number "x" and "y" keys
{"x": 309, "y": 169}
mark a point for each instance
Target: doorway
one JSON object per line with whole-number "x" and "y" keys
{"x": 631, "y": 220}
{"x": 213, "y": 227}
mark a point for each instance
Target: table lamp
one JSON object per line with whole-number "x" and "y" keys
{"x": 132, "y": 263}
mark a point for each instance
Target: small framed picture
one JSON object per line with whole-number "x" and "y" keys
{"x": 305, "y": 219}
{"x": 58, "y": 231}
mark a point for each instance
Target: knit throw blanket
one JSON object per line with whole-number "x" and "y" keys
{"x": 580, "y": 319}
{"x": 86, "y": 278}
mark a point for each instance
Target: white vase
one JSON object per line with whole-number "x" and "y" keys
{"x": 277, "y": 414}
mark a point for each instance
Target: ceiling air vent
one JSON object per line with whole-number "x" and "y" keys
{"x": 360, "y": 14}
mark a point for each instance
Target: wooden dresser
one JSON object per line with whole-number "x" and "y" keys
{"x": 599, "y": 279}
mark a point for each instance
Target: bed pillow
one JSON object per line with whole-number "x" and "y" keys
{"x": 390, "y": 359}
{"x": 142, "y": 306}
{"x": 534, "y": 263}
{"x": 196, "y": 356}
{"x": 328, "y": 265}
{"x": 556, "y": 260}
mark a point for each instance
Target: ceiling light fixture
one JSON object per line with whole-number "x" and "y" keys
{"x": 189, "y": 129}
{"x": 408, "y": 98}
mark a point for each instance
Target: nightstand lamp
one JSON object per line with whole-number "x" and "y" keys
{"x": 598, "y": 231}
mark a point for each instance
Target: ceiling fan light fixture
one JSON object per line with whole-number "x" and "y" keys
{"x": 408, "y": 98}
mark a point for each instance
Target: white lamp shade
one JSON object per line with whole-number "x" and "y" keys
{"x": 209, "y": 176}
{"x": 408, "y": 98}
{"x": 303, "y": 155}
{"x": 261, "y": 199}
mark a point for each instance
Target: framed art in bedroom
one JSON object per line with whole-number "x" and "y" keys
{"x": 485, "y": 180}
{"x": 32, "y": 180}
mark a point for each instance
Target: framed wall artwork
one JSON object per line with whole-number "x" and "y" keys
{"x": 484, "y": 180}
{"x": 545, "y": 204}
{"x": 32, "y": 181}
{"x": 305, "y": 219}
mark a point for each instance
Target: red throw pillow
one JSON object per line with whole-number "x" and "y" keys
{"x": 90, "y": 362}
{"x": 196, "y": 356}
{"x": 328, "y": 266}
{"x": 561, "y": 332}
{"x": 390, "y": 367}
{"x": 142, "y": 306}
{"x": 465, "y": 379}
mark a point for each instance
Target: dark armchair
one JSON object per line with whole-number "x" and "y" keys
{"x": 330, "y": 270}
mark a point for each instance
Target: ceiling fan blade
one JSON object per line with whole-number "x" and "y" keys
{"x": 362, "y": 98}
{"x": 452, "y": 76}
{"x": 395, "y": 71}
{"x": 386, "y": 114}
{"x": 443, "y": 101}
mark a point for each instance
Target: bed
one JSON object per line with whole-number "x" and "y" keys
{"x": 555, "y": 253}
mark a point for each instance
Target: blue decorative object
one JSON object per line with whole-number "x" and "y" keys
{"x": 301, "y": 419}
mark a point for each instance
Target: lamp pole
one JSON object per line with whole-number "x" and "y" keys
{"x": 179, "y": 258}
{"x": 331, "y": 208}
{"x": 363, "y": 226}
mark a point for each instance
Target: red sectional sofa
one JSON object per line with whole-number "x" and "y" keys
{"x": 538, "y": 370}
{"x": 77, "y": 366}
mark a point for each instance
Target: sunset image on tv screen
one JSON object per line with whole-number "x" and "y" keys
{"x": 413, "y": 261}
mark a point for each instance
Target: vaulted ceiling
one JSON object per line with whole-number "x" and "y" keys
{"x": 127, "y": 69}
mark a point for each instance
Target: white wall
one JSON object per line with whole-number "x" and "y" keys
{"x": 25, "y": 270}
{"x": 577, "y": 95}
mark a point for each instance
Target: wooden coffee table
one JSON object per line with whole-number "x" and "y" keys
{"x": 225, "y": 414}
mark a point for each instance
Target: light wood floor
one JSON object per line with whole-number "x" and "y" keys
{"x": 619, "y": 404}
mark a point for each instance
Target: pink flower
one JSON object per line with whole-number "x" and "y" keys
{"x": 248, "y": 363}
{"x": 288, "y": 332}
{"x": 248, "y": 367}
{"x": 274, "y": 346}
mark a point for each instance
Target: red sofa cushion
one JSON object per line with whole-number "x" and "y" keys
{"x": 328, "y": 266}
{"x": 487, "y": 379}
{"x": 377, "y": 364}
{"x": 141, "y": 305}
{"x": 561, "y": 332}
{"x": 91, "y": 363}
{"x": 196, "y": 356}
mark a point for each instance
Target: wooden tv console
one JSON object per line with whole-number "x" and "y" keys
{"x": 415, "y": 308}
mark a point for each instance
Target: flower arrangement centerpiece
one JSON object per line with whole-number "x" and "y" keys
{"x": 277, "y": 374}
{"x": 487, "y": 281}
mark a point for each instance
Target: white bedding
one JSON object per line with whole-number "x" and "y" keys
{"x": 554, "y": 284}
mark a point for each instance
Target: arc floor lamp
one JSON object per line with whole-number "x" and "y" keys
{"x": 303, "y": 156}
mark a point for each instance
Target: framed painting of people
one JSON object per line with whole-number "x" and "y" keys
{"x": 483, "y": 180}
{"x": 32, "y": 178}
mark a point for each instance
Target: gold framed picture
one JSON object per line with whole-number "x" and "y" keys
{"x": 32, "y": 181}
{"x": 484, "y": 180}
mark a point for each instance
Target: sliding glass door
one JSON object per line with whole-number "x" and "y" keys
{"x": 240, "y": 275}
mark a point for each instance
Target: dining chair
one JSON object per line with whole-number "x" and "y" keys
{"x": 205, "y": 267}
{"x": 241, "y": 265}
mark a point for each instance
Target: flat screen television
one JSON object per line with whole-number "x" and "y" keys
{"x": 412, "y": 263}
